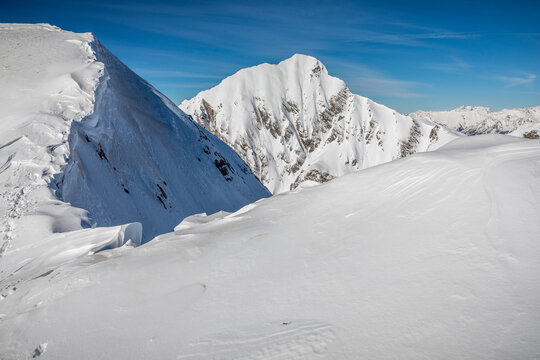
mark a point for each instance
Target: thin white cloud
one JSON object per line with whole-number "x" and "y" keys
{"x": 187, "y": 85}
{"x": 381, "y": 86}
{"x": 443, "y": 35}
{"x": 219, "y": 26}
{"x": 511, "y": 81}
{"x": 172, "y": 74}
{"x": 368, "y": 82}
{"x": 406, "y": 39}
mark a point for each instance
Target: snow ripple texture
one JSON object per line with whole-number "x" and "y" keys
{"x": 434, "y": 256}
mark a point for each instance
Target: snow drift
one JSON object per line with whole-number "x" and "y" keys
{"x": 293, "y": 122}
{"x": 431, "y": 256}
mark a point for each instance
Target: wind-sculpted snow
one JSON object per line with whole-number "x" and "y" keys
{"x": 137, "y": 157}
{"x": 86, "y": 142}
{"x": 293, "y": 122}
{"x": 434, "y": 256}
{"x": 476, "y": 120}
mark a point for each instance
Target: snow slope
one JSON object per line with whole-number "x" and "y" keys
{"x": 87, "y": 142}
{"x": 475, "y": 120}
{"x": 293, "y": 121}
{"x": 434, "y": 256}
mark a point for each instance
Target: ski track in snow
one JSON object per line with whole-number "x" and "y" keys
{"x": 298, "y": 340}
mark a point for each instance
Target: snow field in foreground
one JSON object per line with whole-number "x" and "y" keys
{"x": 432, "y": 256}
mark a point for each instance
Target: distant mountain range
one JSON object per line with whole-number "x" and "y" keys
{"x": 477, "y": 120}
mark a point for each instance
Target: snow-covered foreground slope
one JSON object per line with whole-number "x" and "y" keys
{"x": 292, "y": 122}
{"x": 475, "y": 120}
{"x": 433, "y": 256}
{"x": 84, "y": 141}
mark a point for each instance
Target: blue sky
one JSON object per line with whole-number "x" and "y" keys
{"x": 408, "y": 55}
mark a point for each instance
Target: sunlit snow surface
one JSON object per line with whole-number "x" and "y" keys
{"x": 435, "y": 256}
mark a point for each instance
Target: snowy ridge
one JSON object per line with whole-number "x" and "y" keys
{"x": 424, "y": 257}
{"x": 293, "y": 122}
{"x": 86, "y": 142}
{"x": 476, "y": 120}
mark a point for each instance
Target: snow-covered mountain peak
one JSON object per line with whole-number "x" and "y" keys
{"x": 305, "y": 64}
{"x": 298, "y": 65}
{"x": 77, "y": 121}
{"x": 293, "y": 122}
{"x": 289, "y": 76}
{"x": 301, "y": 59}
